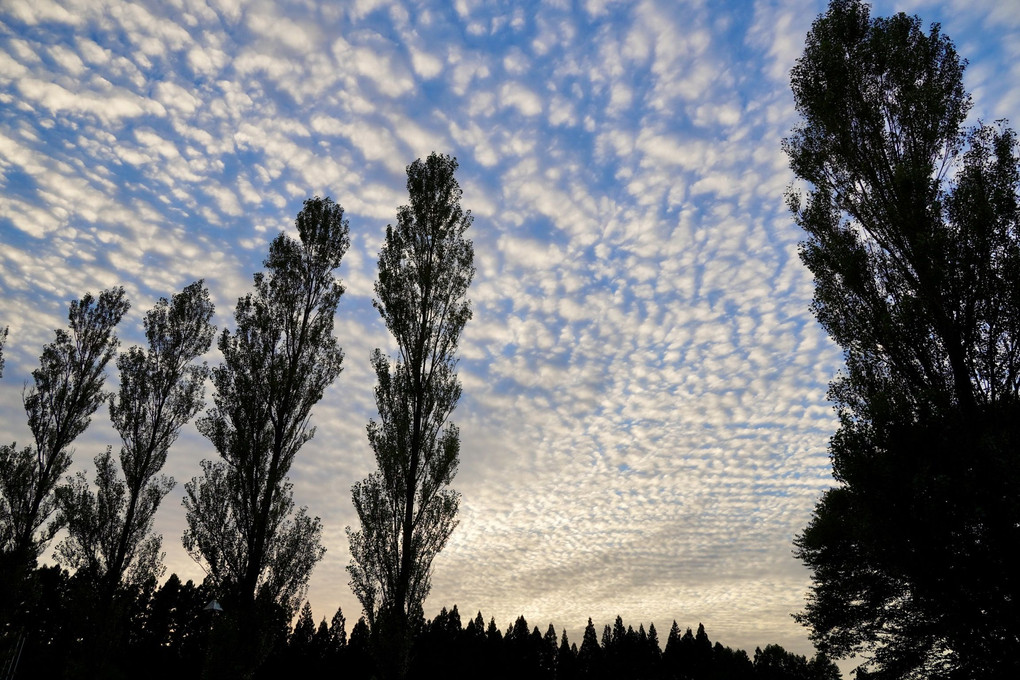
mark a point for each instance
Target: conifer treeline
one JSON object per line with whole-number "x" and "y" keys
{"x": 167, "y": 631}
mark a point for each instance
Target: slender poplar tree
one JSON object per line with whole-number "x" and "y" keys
{"x": 406, "y": 508}
{"x": 3, "y": 340}
{"x": 240, "y": 512}
{"x": 109, "y": 530}
{"x": 67, "y": 389}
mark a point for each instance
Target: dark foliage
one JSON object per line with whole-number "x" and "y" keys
{"x": 171, "y": 631}
{"x": 3, "y": 340}
{"x": 242, "y": 523}
{"x": 66, "y": 390}
{"x": 109, "y": 530}
{"x": 165, "y": 633}
{"x": 443, "y": 647}
{"x": 912, "y": 226}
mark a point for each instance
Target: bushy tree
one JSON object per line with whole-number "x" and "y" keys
{"x": 912, "y": 240}
{"x": 406, "y": 508}
{"x": 241, "y": 522}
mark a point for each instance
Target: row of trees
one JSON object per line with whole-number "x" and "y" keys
{"x": 242, "y": 525}
{"x": 169, "y": 634}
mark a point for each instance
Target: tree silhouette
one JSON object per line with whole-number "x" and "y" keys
{"x": 589, "y": 657}
{"x": 276, "y": 365}
{"x": 67, "y": 389}
{"x": 338, "y": 631}
{"x": 109, "y": 530}
{"x": 912, "y": 240}
{"x": 406, "y": 509}
{"x": 3, "y": 341}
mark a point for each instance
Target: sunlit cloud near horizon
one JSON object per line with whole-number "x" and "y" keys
{"x": 644, "y": 421}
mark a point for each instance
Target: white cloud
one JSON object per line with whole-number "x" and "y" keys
{"x": 520, "y": 97}
{"x": 43, "y": 11}
{"x": 384, "y": 71}
{"x": 284, "y": 31}
{"x": 206, "y": 61}
{"x": 426, "y": 65}
{"x": 110, "y": 106}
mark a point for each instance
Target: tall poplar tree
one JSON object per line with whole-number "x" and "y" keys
{"x": 67, "y": 389}
{"x": 3, "y": 339}
{"x": 913, "y": 226}
{"x": 109, "y": 530}
{"x": 406, "y": 508}
{"x": 240, "y": 513}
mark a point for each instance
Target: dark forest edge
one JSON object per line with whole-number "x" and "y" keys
{"x": 167, "y": 631}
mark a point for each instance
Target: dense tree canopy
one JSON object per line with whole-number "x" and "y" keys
{"x": 912, "y": 239}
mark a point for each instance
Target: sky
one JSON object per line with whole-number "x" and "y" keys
{"x": 644, "y": 421}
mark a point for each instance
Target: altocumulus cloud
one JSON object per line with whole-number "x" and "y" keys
{"x": 644, "y": 420}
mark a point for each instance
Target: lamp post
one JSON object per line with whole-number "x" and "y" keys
{"x": 213, "y": 608}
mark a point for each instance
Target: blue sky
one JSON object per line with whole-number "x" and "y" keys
{"x": 644, "y": 421}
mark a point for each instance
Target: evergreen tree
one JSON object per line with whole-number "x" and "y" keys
{"x": 653, "y": 641}
{"x": 358, "y": 652}
{"x": 549, "y": 653}
{"x": 453, "y": 624}
{"x": 566, "y": 659}
{"x": 304, "y": 631}
{"x": 687, "y": 654}
{"x": 492, "y": 632}
{"x": 338, "y": 631}
{"x": 671, "y": 654}
{"x": 702, "y": 653}
{"x": 476, "y": 627}
{"x": 361, "y": 635}
{"x": 532, "y": 657}
{"x": 405, "y": 508}
{"x": 321, "y": 643}
{"x": 589, "y": 657}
